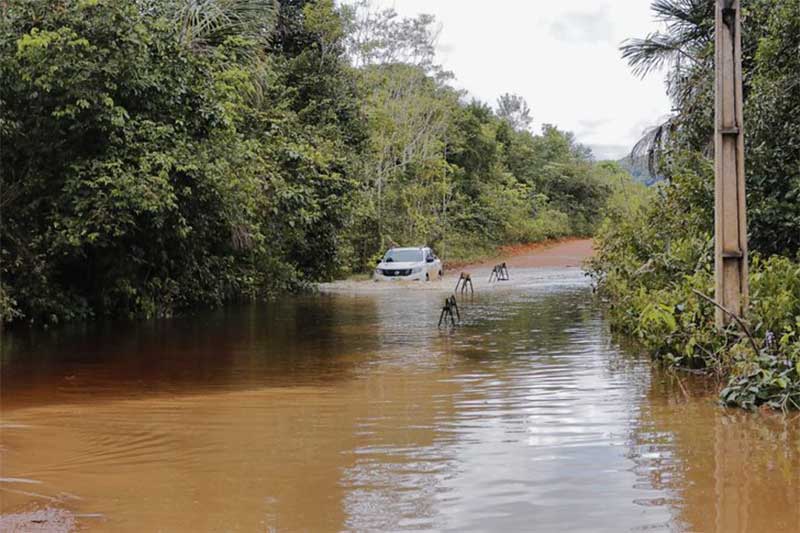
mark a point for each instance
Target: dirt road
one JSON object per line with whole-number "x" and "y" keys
{"x": 549, "y": 257}
{"x": 564, "y": 253}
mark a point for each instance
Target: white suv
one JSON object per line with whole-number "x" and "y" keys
{"x": 409, "y": 264}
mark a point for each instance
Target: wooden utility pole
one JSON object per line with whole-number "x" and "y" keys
{"x": 730, "y": 224}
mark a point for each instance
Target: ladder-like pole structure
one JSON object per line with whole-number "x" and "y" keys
{"x": 730, "y": 224}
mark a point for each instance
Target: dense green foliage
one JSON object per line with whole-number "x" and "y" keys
{"x": 161, "y": 155}
{"x": 147, "y": 167}
{"x": 652, "y": 265}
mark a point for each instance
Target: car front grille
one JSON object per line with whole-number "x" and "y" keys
{"x": 392, "y": 273}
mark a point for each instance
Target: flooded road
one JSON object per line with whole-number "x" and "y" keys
{"x": 350, "y": 410}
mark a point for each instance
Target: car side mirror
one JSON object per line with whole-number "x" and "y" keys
{"x": 379, "y": 261}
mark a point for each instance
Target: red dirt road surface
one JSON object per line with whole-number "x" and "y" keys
{"x": 564, "y": 253}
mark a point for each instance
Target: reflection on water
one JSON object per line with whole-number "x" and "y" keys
{"x": 730, "y": 470}
{"x": 351, "y": 410}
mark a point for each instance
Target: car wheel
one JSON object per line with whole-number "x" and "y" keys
{"x": 440, "y": 274}
{"x": 427, "y": 277}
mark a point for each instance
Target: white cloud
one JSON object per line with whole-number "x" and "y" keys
{"x": 589, "y": 127}
{"x": 583, "y": 27}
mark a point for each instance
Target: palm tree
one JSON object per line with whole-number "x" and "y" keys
{"x": 204, "y": 24}
{"x": 685, "y": 46}
{"x": 688, "y": 34}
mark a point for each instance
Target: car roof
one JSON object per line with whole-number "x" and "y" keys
{"x": 410, "y": 248}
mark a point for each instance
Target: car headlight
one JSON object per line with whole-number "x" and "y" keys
{"x": 378, "y": 271}
{"x": 416, "y": 270}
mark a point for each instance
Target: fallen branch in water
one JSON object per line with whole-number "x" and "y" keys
{"x": 736, "y": 317}
{"x": 683, "y": 389}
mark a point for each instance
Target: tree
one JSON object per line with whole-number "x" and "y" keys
{"x": 381, "y": 37}
{"x": 125, "y": 176}
{"x": 150, "y": 166}
{"x": 772, "y": 91}
{"x": 515, "y": 110}
{"x": 315, "y": 82}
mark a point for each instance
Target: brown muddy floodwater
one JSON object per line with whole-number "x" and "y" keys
{"x": 350, "y": 410}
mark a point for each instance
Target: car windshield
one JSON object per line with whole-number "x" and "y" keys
{"x": 403, "y": 256}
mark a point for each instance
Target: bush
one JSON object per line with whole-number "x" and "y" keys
{"x": 649, "y": 268}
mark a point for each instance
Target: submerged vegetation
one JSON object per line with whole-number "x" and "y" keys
{"x": 162, "y": 155}
{"x": 654, "y": 266}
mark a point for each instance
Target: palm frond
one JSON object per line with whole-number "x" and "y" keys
{"x": 207, "y": 23}
{"x": 685, "y": 45}
{"x": 684, "y": 14}
{"x": 654, "y": 143}
{"x": 689, "y": 28}
{"x": 649, "y": 54}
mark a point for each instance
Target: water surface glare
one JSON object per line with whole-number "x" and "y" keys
{"x": 351, "y": 410}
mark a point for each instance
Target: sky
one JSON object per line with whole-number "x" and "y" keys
{"x": 562, "y": 56}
